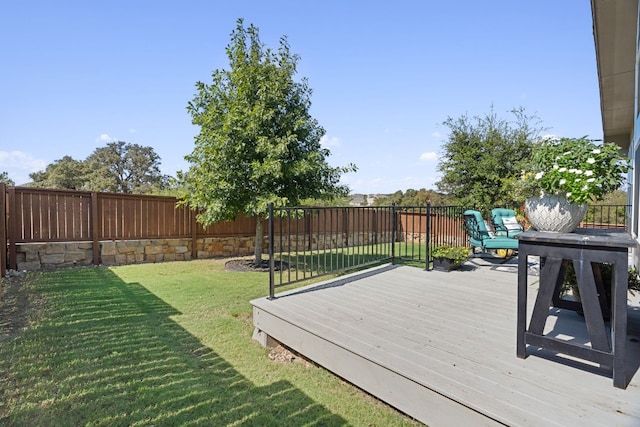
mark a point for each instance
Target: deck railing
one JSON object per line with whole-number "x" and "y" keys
{"x": 607, "y": 216}
{"x": 307, "y": 242}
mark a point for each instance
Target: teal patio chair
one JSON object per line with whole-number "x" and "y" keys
{"x": 481, "y": 237}
{"x": 505, "y": 222}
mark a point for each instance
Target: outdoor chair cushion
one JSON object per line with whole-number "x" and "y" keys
{"x": 479, "y": 236}
{"x": 505, "y": 222}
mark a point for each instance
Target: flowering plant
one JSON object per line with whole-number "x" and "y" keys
{"x": 579, "y": 168}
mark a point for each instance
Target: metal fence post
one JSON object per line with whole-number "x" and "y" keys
{"x": 393, "y": 233}
{"x": 272, "y": 263}
{"x": 428, "y": 237}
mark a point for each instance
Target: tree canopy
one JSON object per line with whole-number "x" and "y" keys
{"x": 258, "y": 142}
{"x": 4, "y": 178}
{"x": 117, "y": 167}
{"x": 65, "y": 173}
{"x": 125, "y": 168}
{"x": 484, "y": 157}
{"x": 413, "y": 197}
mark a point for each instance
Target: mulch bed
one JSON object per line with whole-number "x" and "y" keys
{"x": 248, "y": 265}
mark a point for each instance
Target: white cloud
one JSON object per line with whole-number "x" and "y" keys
{"x": 428, "y": 156}
{"x": 105, "y": 137}
{"x": 19, "y": 164}
{"x": 327, "y": 142}
{"x": 436, "y": 134}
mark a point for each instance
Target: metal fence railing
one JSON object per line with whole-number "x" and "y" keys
{"x": 607, "y": 216}
{"x": 309, "y": 242}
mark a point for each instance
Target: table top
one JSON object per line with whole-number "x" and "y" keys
{"x": 581, "y": 237}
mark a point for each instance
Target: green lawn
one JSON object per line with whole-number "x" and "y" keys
{"x": 160, "y": 344}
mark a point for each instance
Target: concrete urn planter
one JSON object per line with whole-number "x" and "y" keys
{"x": 554, "y": 213}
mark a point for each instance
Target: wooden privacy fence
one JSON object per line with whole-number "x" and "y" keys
{"x": 32, "y": 215}
{"x": 41, "y": 215}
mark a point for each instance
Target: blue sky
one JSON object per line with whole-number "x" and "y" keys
{"x": 385, "y": 75}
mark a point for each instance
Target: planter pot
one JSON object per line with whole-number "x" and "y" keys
{"x": 445, "y": 264}
{"x": 554, "y": 213}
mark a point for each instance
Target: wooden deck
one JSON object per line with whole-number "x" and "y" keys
{"x": 441, "y": 347}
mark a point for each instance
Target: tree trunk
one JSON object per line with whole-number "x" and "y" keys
{"x": 257, "y": 261}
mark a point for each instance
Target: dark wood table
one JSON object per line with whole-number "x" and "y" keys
{"x": 587, "y": 249}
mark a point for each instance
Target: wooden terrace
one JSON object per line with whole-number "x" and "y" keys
{"x": 441, "y": 347}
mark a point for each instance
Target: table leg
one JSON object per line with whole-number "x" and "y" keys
{"x": 619, "y": 321}
{"x": 521, "y": 346}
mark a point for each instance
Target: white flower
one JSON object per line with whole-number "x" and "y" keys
{"x": 556, "y": 166}
{"x": 591, "y": 180}
{"x": 563, "y": 181}
{"x": 569, "y": 194}
{"x": 588, "y": 173}
{"x": 578, "y": 171}
{"x": 585, "y": 188}
{"x": 572, "y": 170}
{"x": 596, "y": 151}
{"x": 562, "y": 170}
{"x": 591, "y": 160}
{"x": 539, "y": 175}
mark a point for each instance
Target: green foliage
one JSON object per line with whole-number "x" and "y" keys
{"x": 485, "y": 156}
{"x": 258, "y": 142}
{"x": 4, "y": 178}
{"x": 338, "y": 201}
{"x": 125, "y": 168}
{"x": 65, "y": 173}
{"x": 117, "y": 167}
{"x": 413, "y": 197}
{"x": 580, "y": 168}
{"x": 457, "y": 254}
{"x": 618, "y": 197}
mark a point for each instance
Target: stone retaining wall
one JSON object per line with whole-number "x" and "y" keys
{"x": 52, "y": 255}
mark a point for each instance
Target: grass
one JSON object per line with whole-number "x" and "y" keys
{"x": 161, "y": 344}
{"x": 313, "y": 263}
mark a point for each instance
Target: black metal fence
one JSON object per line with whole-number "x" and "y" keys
{"x": 607, "y": 216}
{"x": 308, "y": 242}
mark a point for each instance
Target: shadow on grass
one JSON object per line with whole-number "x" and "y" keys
{"x": 107, "y": 353}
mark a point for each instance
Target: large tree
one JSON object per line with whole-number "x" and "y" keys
{"x": 65, "y": 173}
{"x": 257, "y": 143}
{"x": 125, "y": 168}
{"x": 116, "y": 167}
{"x": 484, "y": 156}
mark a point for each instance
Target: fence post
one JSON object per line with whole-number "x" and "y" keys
{"x": 3, "y": 232}
{"x": 95, "y": 228}
{"x": 428, "y": 237}
{"x": 194, "y": 234}
{"x": 272, "y": 263}
{"x": 393, "y": 233}
{"x": 13, "y": 228}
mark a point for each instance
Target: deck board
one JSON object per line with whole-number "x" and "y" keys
{"x": 452, "y": 335}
